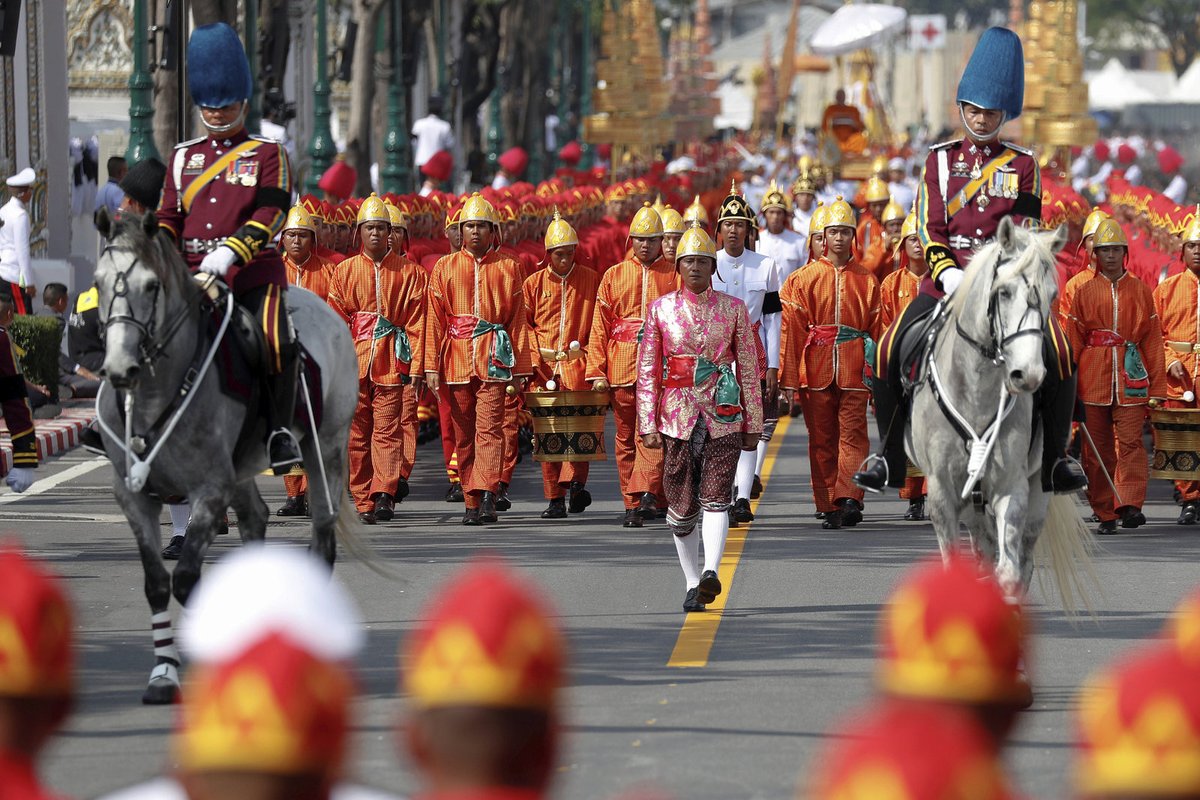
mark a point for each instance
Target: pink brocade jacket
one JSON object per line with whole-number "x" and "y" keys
{"x": 680, "y": 326}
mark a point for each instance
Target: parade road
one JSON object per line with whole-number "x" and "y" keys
{"x": 734, "y": 703}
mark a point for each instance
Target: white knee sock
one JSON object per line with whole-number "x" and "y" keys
{"x": 688, "y": 548}
{"x": 745, "y": 475}
{"x": 715, "y": 527}
{"x": 760, "y": 457}
{"x": 180, "y": 514}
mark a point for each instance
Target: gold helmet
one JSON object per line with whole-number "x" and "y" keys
{"x": 892, "y": 211}
{"x": 695, "y": 212}
{"x": 1109, "y": 234}
{"x": 775, "y": 199}
{"x": 804, "y": 184}
{"x": 877, "y": 190}
{"x": 373, "y": 210}
{"x": 879, "y": 165}
{"x": 672, "y": 221}
{"x": 909, "y": 228}
{"x": 560, "y": 233}
{"x": 1191, "y": 227}
{"x": 696, "y": 242}
{"x": 478, "y": 209}
{"x": 298, "y": 219}
{"x": 735, "y": 207}
{"x": 839, "y": 214}
{"x": 816, "y": 224}
{"x": 1092, "y": 222}
{"x": 805, "y": 164}
{"x": 646, "y": 223}
{"x": 400, "y": 217}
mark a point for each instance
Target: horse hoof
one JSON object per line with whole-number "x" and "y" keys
{"x": 161, "y": 693}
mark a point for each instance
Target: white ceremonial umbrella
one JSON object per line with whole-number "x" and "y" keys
{"x": 854, "y": 27}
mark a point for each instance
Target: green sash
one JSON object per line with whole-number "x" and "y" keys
{"x": 728, "y": 392}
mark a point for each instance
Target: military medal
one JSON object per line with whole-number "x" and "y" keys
{"x": 984, "y": 201}
{"x": 976, "y": 171}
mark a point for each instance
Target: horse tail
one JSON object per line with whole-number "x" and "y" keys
{"x": 1066, "y": 546}
{"x": 349, "y": 532}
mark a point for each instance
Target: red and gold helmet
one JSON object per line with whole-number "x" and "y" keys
{"x": 273, "y": 708}
{"x": 487, "y": 641}
{"x": 1184, "y": 627}
{"x": 911, "y": 753}
{"x": 949, "y": 633}
{"x": 36, "y": 645}
{"x": 1139, "y": 728}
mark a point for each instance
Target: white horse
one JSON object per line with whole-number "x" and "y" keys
{"x": 169, "y": 429}
{"x": 972, "y": 431}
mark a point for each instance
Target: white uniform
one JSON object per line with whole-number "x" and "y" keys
{"x": 800, "y": 221}
{"x": 788, "y": 249}
{"x": 751, "y": 277}
{"x": 14, "y": 244}
{"x": 169, "y": 789}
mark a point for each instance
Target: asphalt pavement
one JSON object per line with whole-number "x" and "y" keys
{"x": 788, "y": 652}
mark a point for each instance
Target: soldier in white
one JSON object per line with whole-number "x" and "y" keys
{"x": 902, "y": 185}
{"x": 782, "y": 245}
{"x": 754, "y": 279}
{"x": 16, "y": 272}
{"x": 256, "y": 599}
{"x": 804, "y": 200}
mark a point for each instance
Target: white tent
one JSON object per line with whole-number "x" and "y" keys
{"x": 737, "y": 106}
{"x": 1187, "y": 90}
{"x": 1113, "y": 88}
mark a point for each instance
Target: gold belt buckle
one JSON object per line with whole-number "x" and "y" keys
{"x": 1196, "y": 348}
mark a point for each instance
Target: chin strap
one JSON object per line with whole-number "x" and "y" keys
{"x": 982, "y": 138}
{"x": 220, "y": 130}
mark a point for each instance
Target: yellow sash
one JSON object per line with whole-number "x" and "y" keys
{"x": 206, "y": 177}
{"x": 968, "y": 192}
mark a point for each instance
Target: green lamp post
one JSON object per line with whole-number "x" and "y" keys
{"x": 586, "y": 79}
{"x": 321, "y": 149}
{"x": 141, "y": 93}
{"x": 495, "y": 132}
{"x": 396, "y": 174}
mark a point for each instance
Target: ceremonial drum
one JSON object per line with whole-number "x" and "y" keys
{"x": 568, "y": 426}
{"x": 1176, "y": 443}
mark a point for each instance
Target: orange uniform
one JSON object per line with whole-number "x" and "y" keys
{"x": 1177, "y": 301}
{"x": 872, "y": 253}
{"x": 384, "y": 303}
{"x": 626, "y": 290}
{"x": 475, "y": 341}
{"x": 559, "y": 311}
{"x": 896, "y": 292}
{"x": 1112, "y": 324}
{"x": 1067, "y": 296}
{"x": 829, "y": 315}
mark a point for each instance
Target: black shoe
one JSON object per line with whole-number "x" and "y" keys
{"x": 709, "y": 588}
{"x": 740, "y": 511}
{"x": 578, "y": 498}
{"x": 1067, "y": 476}
{"x": 874, "y": 478}
{"x": 282, "y": 451}
{"x": 401, "y": 490}
{"x": 293, "y": 507}
{"x": 646, "y": 509}
{"x": 691, "y": 602}
{"x": 174, "y": 549}
{"x": 851, "y": 512}
{"x": 455, "y": 493}
{"x": 487, "y": 508}
{"x": 472, "y": 517}
{"x": 916, "y": 510}
{"x": 833, "y": 520}
{"x": 385, "y": 507}
{"x": 91, "y": 440}
{"x": 366, "y": 517}
{"x": 734, "y": 522}
{"x": 1131, "y": 517}
{"x": 632, "y": 519}
{"x": 502, "y": 501}
{"x": 661, "y": 514}
{"x": 556, "y": 510}
{"x": 1187, "y": 514}
{"x": 223, "y": 525}
{"x": 1107, "y": 528}
{"x": 819, "y": 515}
{"x": 757, "y": 489}
{"x": 794, "y": 411}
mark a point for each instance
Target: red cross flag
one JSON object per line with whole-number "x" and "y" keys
{"x": 927, "y": 31}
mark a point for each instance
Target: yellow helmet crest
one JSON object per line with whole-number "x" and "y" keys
{"x": 478, "y": 209}
{"x": 373, "y": 210}
{"x": 776, "y": 199}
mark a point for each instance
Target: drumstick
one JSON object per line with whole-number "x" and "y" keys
{"x": 1088, "y": 435}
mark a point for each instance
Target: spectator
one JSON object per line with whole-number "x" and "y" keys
{"x": 431, "y": 133}
{"x": 16, "y": 272}
{"x": 110, "y": 194}
{"x": 77, "y": 371}
{"x": 42, "y": 400}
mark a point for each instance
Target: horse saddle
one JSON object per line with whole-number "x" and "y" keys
{"x": 915, "y": 342}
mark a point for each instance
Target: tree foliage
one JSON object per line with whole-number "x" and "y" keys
{"x": 1176, "y": 21}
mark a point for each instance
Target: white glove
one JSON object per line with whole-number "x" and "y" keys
{"x": 19, "y": 479}
{"x": 950, "y": 279}
{"x": 219, "y": 261}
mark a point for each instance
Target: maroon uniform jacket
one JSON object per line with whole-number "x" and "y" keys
{"x": 232, "y": 191}
{"x": 14, "y": 401}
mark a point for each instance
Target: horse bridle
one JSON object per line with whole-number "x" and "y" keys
{"x": 994, "y": 349}
{"x": 150, "y": 347}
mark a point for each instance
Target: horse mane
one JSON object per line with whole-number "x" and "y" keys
{"x": 1033, "y": 257}
{"x": 154, "y": 250}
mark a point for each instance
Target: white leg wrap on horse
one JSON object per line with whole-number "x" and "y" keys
{"x": 164, "y": 636}
{"x": 165, "y": 671}
{"x": 745, "y": 474}
{"x": 688, "y": 548}
{"x": 180, "y": 514}
{"x": 715, "y": 528}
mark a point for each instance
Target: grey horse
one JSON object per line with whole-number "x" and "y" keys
{"x": 169, "y": 430}
{"x": 972, "y": 417}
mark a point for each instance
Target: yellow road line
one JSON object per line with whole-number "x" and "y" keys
{"x": 700, "y": 630}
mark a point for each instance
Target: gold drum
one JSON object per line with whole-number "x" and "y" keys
{"x": 568, "y": 426}
{"x": 1176, "y": 443}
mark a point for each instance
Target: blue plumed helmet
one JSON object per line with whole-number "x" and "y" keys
{"x": 218, "y": 70}
{"x": 995, "y": 75}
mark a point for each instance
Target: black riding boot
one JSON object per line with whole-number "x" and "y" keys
{"x": 1056, "y": 404}
{"x": 282, "y": 448}
{"x": 891, "y": 414}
